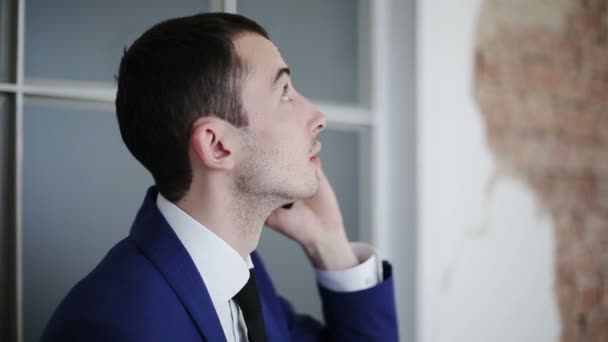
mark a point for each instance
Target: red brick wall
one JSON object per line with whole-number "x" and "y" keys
{"x": 543, "y": 93}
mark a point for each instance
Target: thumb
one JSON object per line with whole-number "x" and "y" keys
{"x": 276, "y": 217}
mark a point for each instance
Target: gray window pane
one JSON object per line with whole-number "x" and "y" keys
{"x": 318, "y": 39}
{"x": 84, "y": 39}
{"x": 8, "y": 35}
{"x": 6, "y": 214}
{"x": 286, "y": 261}
{"x": 340, "y": 157}
{"x": 82, "y": 189}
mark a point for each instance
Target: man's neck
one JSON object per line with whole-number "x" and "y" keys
{"x": 238, "y": 220}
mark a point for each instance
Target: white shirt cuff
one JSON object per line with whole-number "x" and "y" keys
{"x": 361, "y": 277}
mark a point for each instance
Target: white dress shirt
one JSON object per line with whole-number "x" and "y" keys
{"x": 226, "y": 278}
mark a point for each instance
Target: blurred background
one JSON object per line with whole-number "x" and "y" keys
{"x": 467, "y": 141}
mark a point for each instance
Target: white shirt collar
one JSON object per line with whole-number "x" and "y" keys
{"x": 222, "y": 268}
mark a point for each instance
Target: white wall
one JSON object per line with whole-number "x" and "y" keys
{"x": 485, "y": 257}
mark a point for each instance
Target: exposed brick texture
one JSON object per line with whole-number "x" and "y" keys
{"x": 542, "y": 88}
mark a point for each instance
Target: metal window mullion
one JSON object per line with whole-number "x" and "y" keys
{"x": 8, "y": 88}
{"x": 366, "y": 169}
{"x": 378, "y": 102}
{"x": 18, "y": 173}
{"x": 393, "y": 43}
{"x": 228, "y": 6}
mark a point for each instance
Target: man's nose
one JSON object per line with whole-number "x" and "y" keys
{"x": 319, "y": 121}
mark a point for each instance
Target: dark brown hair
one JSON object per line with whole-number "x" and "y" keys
{"x": 176, "y": 72}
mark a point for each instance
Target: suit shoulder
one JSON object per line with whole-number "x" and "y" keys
{"x": 123, "y": 295}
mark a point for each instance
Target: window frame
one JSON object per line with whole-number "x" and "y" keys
{"x": 387, "y": 153}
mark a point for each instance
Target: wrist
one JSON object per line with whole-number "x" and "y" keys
{"x": 331, "y": 253}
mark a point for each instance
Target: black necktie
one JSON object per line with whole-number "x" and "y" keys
{"x": 249, "y": 302}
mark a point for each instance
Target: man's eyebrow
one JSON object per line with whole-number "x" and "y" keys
{"x": 281, "y": 72}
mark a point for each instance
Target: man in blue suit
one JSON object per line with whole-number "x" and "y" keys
{"x": 206, "y": 104}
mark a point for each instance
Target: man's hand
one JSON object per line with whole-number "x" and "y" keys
{"x": 316, "y": 223}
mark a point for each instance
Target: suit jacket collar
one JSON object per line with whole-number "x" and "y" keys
{"x": 153, "y": 235}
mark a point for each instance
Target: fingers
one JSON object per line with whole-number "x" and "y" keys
{"x": 278, "y": 215}
{"x": 273, "y": 219}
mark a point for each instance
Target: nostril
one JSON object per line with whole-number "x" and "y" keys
{"x": 322, "y": 123}
{"x": 320, "y": 127}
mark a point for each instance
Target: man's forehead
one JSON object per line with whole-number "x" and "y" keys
{"x": 260, "y": 54}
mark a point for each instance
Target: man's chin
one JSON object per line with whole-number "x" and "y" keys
{"x": 307, "y": 191}
{"x": 311, "y": 191}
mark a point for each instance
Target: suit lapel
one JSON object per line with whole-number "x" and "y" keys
{"x": 275, "y": 330}
{"x": 158, "y": 242}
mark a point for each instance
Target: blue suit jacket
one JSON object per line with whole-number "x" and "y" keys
{"x": 147, "y": 288}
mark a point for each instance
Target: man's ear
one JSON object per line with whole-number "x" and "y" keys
{"x": 213, "y": 143}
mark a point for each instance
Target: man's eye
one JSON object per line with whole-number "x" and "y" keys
{"x": 285, "y": 94}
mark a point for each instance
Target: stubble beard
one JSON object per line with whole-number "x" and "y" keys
{"x": 267, "y": 176}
